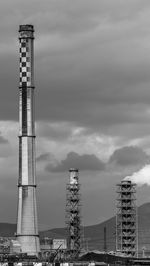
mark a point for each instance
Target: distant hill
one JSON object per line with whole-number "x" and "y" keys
{"x": 7, "y": 229}
{"x": 94, "y": 234}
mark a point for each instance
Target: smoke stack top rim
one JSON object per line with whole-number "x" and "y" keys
{"x": 73, "y": 170}
{"x": 26, "y": 27}
{"x": 126, "y": 181}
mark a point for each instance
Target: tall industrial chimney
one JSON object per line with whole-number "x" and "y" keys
{"x": 27, "y": 228}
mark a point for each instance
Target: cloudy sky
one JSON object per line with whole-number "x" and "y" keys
{"x": 92, "y": 76}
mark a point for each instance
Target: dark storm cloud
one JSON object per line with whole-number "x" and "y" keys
{"x": 88, "y": 108}
{"x": 56, "y": 131}
{"x": 46, "y": 158}
{"x": 91, "y": 66}
{"x": 128, "y": 156}
{"x": 107, "y": 84}
{"x": 82, "y": 162}
{"x": 43, "y": 157}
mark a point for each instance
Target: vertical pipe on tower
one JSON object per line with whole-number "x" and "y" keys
{"x": 27, "y": 228}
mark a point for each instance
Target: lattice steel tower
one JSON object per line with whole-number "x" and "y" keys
{"x": 126, "y": 219}
{"x": 27, "y": 228}
{"x": 73, "y": 218}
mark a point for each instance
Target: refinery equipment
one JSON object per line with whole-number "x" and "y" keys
{"x": 126, "y": 219}
{"x": 27, "y": 227}
{"x": 73, "y": 218}
{"x": 59, "y": 243}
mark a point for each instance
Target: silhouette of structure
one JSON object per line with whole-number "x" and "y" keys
{"x": 73, "y": 220}
{"x": 27, "y": 228}
{"x": 126, "y": 219}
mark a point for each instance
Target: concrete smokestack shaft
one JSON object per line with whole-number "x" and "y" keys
{"x": 27, "y": 229}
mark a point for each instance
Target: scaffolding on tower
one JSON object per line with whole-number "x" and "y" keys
{"x": 73, "y": 217}
{"x": 126, "y": 219}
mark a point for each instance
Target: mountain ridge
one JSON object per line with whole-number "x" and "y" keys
{"x": 93, "y": 235}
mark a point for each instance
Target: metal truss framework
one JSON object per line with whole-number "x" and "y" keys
{"x": 73, "y": 218}
{"x": 126, "y": 219}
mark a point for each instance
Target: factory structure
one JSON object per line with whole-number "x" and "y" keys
{"x": 26, "y": 241}
{"x": 126, "y": 219}
{"x": 73, "y": 215}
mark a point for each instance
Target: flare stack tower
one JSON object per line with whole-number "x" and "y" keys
{"x": 27, "y": 227}
{"x": 73, "y": 218}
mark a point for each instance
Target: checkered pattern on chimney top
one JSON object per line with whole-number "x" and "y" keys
{"x": 25, "y": 64}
